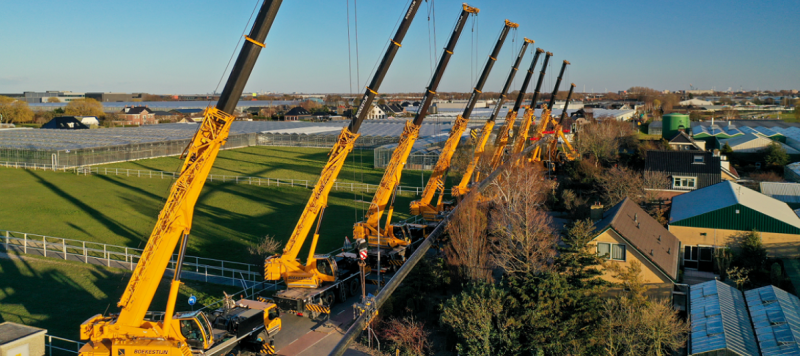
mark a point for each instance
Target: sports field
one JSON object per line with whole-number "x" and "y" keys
{"x": 59, "y": 295}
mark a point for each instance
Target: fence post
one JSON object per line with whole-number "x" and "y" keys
{"x": 85, "y": 253}
{"x": 64, "y": 247}
{"x": 44, "y": 245}
{"x": 25, "y": 243}
{"x": 105, "y": 255}
{"x": 6, "y": 237}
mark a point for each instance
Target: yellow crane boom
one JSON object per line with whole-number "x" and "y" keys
{"x": 175, "y": 221}
{"x": 529, "y": 117}
{"x": 462, "y": 188}
{"x": 368, "y": 228}
{"x": 286, "y": 266}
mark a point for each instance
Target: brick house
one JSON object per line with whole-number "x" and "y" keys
{"x": 138, "y": 115}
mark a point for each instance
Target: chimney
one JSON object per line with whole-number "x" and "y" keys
{"x": 596, "y": 212}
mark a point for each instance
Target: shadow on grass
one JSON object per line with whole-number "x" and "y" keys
{"x": 51, "y": 298}
{"x": 115, "y": 227}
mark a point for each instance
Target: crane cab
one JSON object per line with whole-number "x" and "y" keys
{"x": 196, "y": 329}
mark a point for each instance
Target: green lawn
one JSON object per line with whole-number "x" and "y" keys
{"x": 122, "y": 211}
{"x": 282, "y": 163}
{"x": 59, "y": 295}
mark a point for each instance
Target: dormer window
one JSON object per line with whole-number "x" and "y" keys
{"x": 699, "y": 159}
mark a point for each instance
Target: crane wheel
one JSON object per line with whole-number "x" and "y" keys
{"x": 342, "y": 293}
{"x": 329, "y": 299}
{"x": 353, "y": 287}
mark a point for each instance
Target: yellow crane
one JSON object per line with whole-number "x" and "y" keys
{"x": 568, "y": 152}
{"x": 502, "y": 137}
{"x": 432, "y": 213}
{"x": 368, "y": 229}
{"x": 130, "y": 333}
{"x": 547, "y": 118}
{"x": 463, "y": 187}
{"x": 314, "y": 286}
{"x": 529, "y": 116}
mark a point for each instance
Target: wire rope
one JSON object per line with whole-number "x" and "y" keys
{"x": 349, "y": 51}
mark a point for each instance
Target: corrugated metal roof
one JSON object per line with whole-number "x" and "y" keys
{"x": 726, "y": 194}
{"x": 776, "y": 318}
{"x": 785, "y": 192}
{"x": 719, "y": 320}
{"x": 754, "y": 142}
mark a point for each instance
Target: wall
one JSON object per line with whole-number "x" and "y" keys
{"x": 777, "y": 245}
{"x": 659, "y": 283}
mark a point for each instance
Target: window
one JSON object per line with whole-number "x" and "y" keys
{"x": 684, "y": 182}
{"x": 699, "y": 159}
{"x": 611, "y": 251}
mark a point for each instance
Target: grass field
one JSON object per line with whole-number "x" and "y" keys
{"x": 60, "y": 295}
{"x": 122, "y": 211}
{"x": 283, "y": 162}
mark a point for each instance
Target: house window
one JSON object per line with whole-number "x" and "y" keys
{"x": 611, "y": 251}
{"x": 699, "y": 158}
{"x": 684, "y": 182}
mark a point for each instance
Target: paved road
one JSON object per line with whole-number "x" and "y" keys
{"x": 300, "y": 336}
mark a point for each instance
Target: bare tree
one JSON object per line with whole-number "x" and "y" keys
{"x": 523, "y": 240}
{"x": 468, "y": 249}
{"x": 263, "y": 249}
{"x": 407, "y": 334}
{"x": 620, "y": 182}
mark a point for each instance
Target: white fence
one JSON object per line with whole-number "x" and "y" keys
{"x": 195, "y": 268}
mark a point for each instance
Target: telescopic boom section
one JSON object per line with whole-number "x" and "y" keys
{"x": 436, "y": 181}
{"x": 461, "y": 188}
{"x": 175, "y": 220}
{"x": 505, "y": 131}
{"x": 368, "y": 228}
{"x": 546, "y": 118}
{"x": 277, "y": 267}
{"x": 528, "y": 118}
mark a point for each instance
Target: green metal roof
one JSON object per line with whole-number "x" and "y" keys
{"x": 730, "y": 206}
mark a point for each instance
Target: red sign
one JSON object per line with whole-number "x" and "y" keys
{"x": 362, "y": 254}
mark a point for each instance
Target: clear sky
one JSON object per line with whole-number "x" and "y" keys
{"x": 180, "y": 46}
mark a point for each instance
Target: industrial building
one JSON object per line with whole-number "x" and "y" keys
{"x": 708, "y": 218}
{"x": 720, "y": 324}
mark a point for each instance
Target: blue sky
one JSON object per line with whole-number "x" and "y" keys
{"x": 181, "y": 46}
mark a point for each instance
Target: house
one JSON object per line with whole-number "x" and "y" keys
{"x": 720, "y": 323}
{"x": 709, "y": 218}
{"x": 297, "y": 113}
{"x": 627, "y": 233}
{"x": 682, "y": 142}
{"x": 137, "y": 115}
{"x": 688, "y": 170}
{"x": 375, "y": 112}
{"x": 65, "y": 123}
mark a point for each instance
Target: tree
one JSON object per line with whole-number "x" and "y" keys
{"x": 13, "y": 110}
{"x": 642, "y": 328}
{"x": 467, "y": 251}
{"x": 84, "y": 107}
{"x": 620, "y": 182}
{"x": 775, "y": 155}
{"x": 635, "y": 325}
{"x": 407, "y": 334}
{"x": 265, "y": 248}
{"x": 726, "y": 149}
{"x": 53, "y": 99}
{"x": 482, "y": 317}
{"x": 522, "y": 238}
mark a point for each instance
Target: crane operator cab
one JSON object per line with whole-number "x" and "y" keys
{"x": 326, "y": 265}
{"x": 197, "y": 330}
